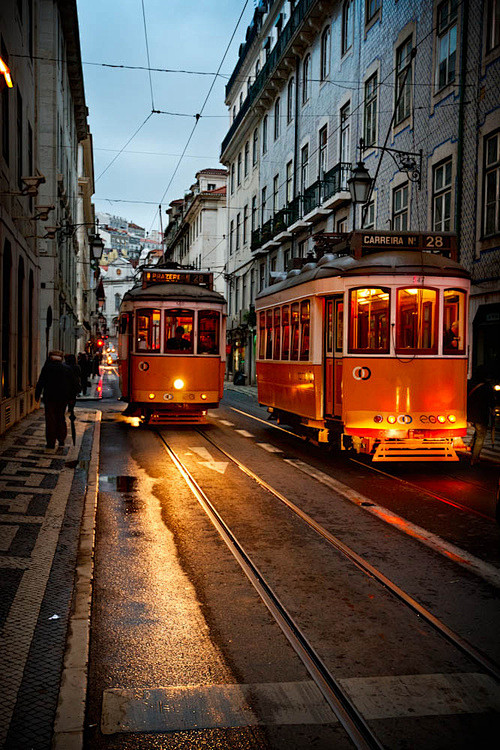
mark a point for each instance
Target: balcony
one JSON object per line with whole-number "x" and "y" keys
{"x": 335, "y": 188}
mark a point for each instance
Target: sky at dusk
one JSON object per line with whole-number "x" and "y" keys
{"x": 180, "y": 35}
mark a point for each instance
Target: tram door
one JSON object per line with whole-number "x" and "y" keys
{"x": 334, "y": 326}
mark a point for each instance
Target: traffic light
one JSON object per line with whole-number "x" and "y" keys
{"x": 100, "y": 343}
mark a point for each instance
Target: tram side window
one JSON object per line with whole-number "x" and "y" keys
{"x": 369, "y": 322}
{"x": 416, "y": 321}
{"x": 269, "y": 334}
{"x": 285, "y": 342}
{"x": 208, "y": 332}
{"x": 339, "y": 325}
{"x": 179, "y": 331}
{"x": 148, "y": 330}
{"x": 262, "y": 335}
{"x": 329, "y": 326}
{"x": 124, "y": 321}
{"x": 277, "y": 333}
{"x": 295, "y": 330}
{"x": 454, "y": 321}
{"x": 305, "y": 320}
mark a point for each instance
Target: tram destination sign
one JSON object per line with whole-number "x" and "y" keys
{"x": 407, "y": 241}
{"x": 174, "y": 276}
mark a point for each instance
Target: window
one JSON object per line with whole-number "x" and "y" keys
{"x": 211, "y": 186}
{"x": 368, "y": 214}
{"x": 148, "y": 330}
{"x": 269, "y": 334}
{"x": 179, "y": 330}
{"x": 446, "y": 43}
{"x": 304, "y": 165}
{"x": 339, "y": 325}
{"x": 208, "y": 332}
{"x": 238, "y": 171}
{"x": 491, "y": 188}
{"x": 232, "y": 177}
{"x": 285, "y": 338}
{"x": 371, "y": 9}
{"x": 289, "y": 181}
{"x": 262, "y": 334}
{"x": 341, "y": 226}
{"x": 345, "y": 133}
{"x": 416, "y": 321}
{"x": 231, "y": 237}
{"x": 347, "y": 26}
{"x": 241, "y": 99}
{"x": 306, "y": 83}
{"x": 245, "y": 224}
{"x": 295, "y": 331}
{"x": 404, "y": 80}
{"x": 118, "y": 300}
{"x": 247, "y": 154}
{"x": 276, "y": 187}
{"x": 369, "y": 320}
{"x": 257, "y": 68}
{"x": 370, "y": 123}
{"x": 305, "y": 316}
{"x": 262, "y": 276}
{"x": 264, "y": 135}
{"x": 323, "y": 146}
{"x": 492, "y": 24}
{"x": 277, "y": 119}
{"x": 325, "y": 54}
{"x": 400, "y": 208}
{"x": 441, "y": 197}
{"x": 454, "y": 321}
{"x": 255, "y": 147}
{"x": 277, "y": 334}
{"x": 253, "y": 219}
{"x": 238, "y": 219}
{"x": 290, "y": 100}
{"x": 263, "y": 205}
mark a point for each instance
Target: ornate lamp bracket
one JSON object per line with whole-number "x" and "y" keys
{"x": 406, "y": 161}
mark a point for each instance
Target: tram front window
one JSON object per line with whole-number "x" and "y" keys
{"x": 179, "y": 331}
{"x": 369, "y": 321}
{"x": 208, "y": 332}
{"x": 148, "y": 330}
{"x": 416, "y": 321}
{"x": 454, "y": 322}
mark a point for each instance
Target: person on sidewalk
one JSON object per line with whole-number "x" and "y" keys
{"x": 59, "y": 387}
{"x": 480, "y": 402}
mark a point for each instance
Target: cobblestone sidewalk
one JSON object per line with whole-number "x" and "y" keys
{"x": 42, "y": 496}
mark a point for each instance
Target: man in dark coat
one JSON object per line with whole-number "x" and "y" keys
{"x": 59, "y": 386}
{"x": 480, "y": 402}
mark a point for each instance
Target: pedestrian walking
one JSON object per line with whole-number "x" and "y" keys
{"x": 58, "y": 385}
{"x": 96, "y": 361}
{"x": 480, "y": 402}
{"x": 70, "y": 360}
{"x": 83, "y": 364}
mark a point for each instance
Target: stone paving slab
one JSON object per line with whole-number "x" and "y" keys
{"x": 42, "y": 495}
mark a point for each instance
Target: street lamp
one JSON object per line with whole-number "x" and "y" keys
{"x": 360, "y": 184}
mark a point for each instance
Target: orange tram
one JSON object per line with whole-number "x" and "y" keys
{"x": 366, "y": 348}
{"x": 171, "y": 346}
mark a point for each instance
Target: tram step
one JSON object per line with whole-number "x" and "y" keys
{"x": 415, "y": 450}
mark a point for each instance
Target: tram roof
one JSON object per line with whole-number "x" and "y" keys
{"x": 173, "y": 291}
{"x": 399, "y": 263}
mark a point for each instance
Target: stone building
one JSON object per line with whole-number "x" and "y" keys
{"x": 117, "y": 278}
{"x": 417, "y": 82}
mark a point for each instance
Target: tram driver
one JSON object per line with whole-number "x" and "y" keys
{"x": 178, "y": 341}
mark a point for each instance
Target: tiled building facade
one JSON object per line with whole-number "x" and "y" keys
{"x": 314, "y": 77}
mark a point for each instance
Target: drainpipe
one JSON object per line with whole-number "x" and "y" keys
{"x": 461, "y": 118}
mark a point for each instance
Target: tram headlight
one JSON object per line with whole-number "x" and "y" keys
{"x": 452, "y": 418}
{"x": 203, "y": 396}
{"x": 178, "y": 384}
{"x": 391, "y": 418}
{"x": 441, "y": 419}
{"x": 151, "y": 396}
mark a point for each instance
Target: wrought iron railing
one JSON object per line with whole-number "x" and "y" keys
{"x": 335, "y": 180}
{"x": 255, "y": 239}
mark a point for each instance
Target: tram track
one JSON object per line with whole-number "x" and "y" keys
{"x": 329, "y": 687}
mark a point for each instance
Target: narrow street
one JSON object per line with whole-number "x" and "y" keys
{"x": 184, "y": 651}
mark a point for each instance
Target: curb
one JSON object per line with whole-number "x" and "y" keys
{"x": 70, "y": 714}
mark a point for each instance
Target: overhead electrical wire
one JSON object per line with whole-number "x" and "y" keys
{"x": 147, "y": 55}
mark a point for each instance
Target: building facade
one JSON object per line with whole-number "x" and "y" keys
{"x": 117, "y": 279}
{"x": 411, "y": 89}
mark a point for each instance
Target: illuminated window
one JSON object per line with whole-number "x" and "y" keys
{"x": 416, "y": 321}
{"x": 369, "y": 321}
{"x": 285, "y": 342}
{"x": 262, "y": 334}
{"x": 179, "y": 331}
{"x": 305, "y": 315}
{"x": 269, "y": 334}
{"x": 295, "y": 329}
{"x": 339, "y": 325}
{"x": 277, "y": 333}
{"x": 454, "y": 321}
{"x": 208, "y": 332}
{"x": 329, "y": 326}
{"x": 148, "y": 330}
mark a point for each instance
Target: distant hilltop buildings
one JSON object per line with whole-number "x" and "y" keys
{"x": 124, "y": 239}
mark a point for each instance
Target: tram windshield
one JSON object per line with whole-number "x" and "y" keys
{"x": 208, "y": 332}
{"x": 369, "y": 320}
{"x": 416, "y": 321}
{"x": 454, "y": 322}
{"x": 148, "y": 330}
{"x": 179, "y": 331}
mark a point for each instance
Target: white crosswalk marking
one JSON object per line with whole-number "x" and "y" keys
{"x": 244, "y": 433}
{"x": 270, "y": 448}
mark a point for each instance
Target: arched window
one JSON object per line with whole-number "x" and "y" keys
{"x": 290, "y": 99}
{"x": 306, "y": 82}
{"x": 20, "y": 325}
{"x": 347, "y": 25}
{"x": 264, "y": 135}
{"x": 277, "y": 119}
{"x": 325, "y": 54}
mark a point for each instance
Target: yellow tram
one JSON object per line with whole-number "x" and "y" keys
{"x": 367, "y": 347}
{"x": 171, "y": 346}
